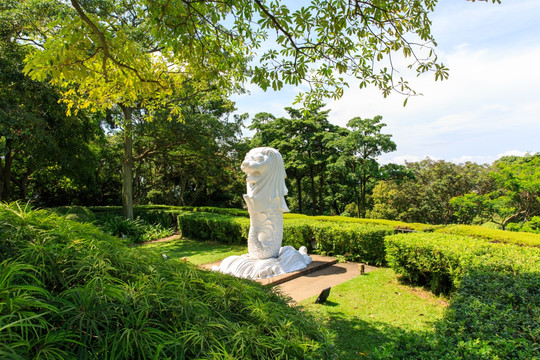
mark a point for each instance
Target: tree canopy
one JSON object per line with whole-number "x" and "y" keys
{"x": 121, "y": 52}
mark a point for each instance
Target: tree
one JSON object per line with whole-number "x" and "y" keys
{"x": 35, "y": 134}
{"x": 107, "y": 54}
{"x": 360, "y": 148}
{"x": 190, "y": 162}
{"x": 515, "y": 195}
{"x": 427, "y": 194}
{"x": 306, "y": 140}
{"x": 143, "y": 53}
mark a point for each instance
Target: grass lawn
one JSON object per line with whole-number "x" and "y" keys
{"x": 369, "y": 313}
{"x": 196, "y": 252}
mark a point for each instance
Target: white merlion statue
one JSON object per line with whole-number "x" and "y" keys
{"x": 265, "y": 200}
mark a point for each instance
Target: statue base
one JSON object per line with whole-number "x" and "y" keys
{"x": 243, "y": 266}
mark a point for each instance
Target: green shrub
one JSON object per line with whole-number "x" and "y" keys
{"x": 495, "y": 307}
{"x": 493, "y": 315}
{"x": 75, "y": 292}
{"x": 214, "y": 227}
{"x": 493, "y": 235}
{"x": 77, "y": 213}
{"x": 441, "y": 260}
{"x": 136, "y": 231}
{"x": 395, "y": 224}
{"x": 532, "y": 226}
{"x": 162, "y": 217}
{"x": 354, "y": 241}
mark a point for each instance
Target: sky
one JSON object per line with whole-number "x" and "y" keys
{"x": 489, "y": 107}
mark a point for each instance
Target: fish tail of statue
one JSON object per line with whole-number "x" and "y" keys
{"x": 265, "y": 234}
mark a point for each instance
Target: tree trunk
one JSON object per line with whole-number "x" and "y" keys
{"x": 313, "y": 192}
{"x": 182, "y": 184}
{"x": 299, "y": 191}
{"x": 321, "y": 193}
{"x": 362, "y": 209}
{"x": 23, "y": 185}
{"x": 5, "y": 172}
{"x": 127, "y": 165}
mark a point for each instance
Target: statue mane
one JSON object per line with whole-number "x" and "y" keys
{"x": 266, "y": 180}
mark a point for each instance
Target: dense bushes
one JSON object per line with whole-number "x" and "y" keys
{"x": 441, "y": 260}
{"x": 357, "y": 242}
{"x": 395, "y": 224}
{"x": 136, "y": 231}
{"x": 67, "y": 290}
{"x": 493, "y": 315}
{"x": 495, "y": 307}
{"x": 78, "y": 213}
{"x": 532, "y": 226}
{"x": 354, "y": 241}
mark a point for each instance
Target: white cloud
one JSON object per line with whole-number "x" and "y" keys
{"x": 489, "y": 104}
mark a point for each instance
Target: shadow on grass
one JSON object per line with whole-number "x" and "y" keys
{"x": 492, "y": 315}
{"x": 358, "y": 339}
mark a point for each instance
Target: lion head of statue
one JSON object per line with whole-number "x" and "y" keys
{"x": 265, "y": 179}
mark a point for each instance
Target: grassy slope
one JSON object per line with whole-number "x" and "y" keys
{"x": 370, "y": 313}
{"x": 366, "y": 314}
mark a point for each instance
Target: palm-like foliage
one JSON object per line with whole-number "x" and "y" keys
{"x": 68, "y": 290}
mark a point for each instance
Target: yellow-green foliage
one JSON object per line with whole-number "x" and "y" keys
{"x": 493, "y": 235}
{"x": 395, "y": 224}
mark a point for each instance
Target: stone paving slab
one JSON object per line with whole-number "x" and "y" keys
{"x": 312, "y": 284}
{"x": 323, "y": 272}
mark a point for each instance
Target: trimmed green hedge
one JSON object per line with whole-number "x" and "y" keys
{"x": 213, "y": 227}
{"x": 495, "y": 306}
{"x": 214, "y": 210}
{"x": 441, "y": 260}
{"x": 395, "y": 224}
{"x": 358, "y": 242}
{"x": 493, "y": 235}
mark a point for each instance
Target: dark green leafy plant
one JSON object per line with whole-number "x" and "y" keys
{"x": 137, "y": 231}
{"x": 76, "y": 292}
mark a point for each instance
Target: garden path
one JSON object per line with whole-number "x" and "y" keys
{"x": 323, "y": 272}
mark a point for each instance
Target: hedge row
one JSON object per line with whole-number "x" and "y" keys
{"x": 395, "y": 224}
{"x": 358, "y": 242}
{"x": 441, "y": 260}
{"x": 166, "y": 215}
{"x": 495, "y": 307}
{"x": 493, "y": 235}
{"x": 213, "y": 227}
